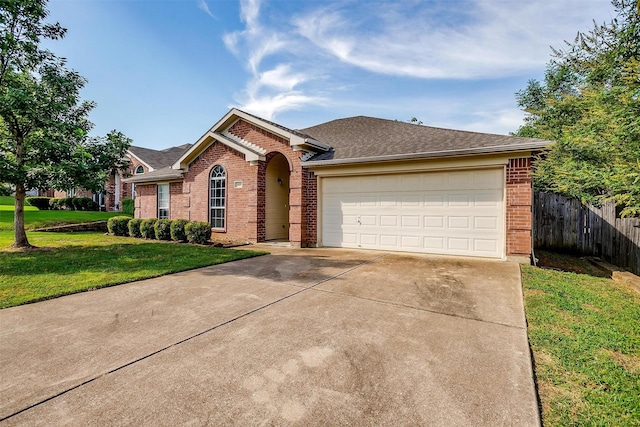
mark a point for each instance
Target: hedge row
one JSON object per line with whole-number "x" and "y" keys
{"x": 70, "y": 203}
{"x": 179, "y": 230}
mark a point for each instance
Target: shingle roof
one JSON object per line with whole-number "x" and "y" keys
{"x": 368, "y": 138}
{"x": 159, "y": 159}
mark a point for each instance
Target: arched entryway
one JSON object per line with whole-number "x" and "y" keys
{"x": 277, "y": 199}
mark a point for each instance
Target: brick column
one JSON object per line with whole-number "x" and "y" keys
{"x": 519, "y": 208}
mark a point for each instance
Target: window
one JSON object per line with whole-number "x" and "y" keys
{"x": 139, "y": 170}
{"x": 163, "y": 201}
{"x": 217, "y": 197}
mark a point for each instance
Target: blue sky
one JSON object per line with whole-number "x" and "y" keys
{"x": 164, "y": 71}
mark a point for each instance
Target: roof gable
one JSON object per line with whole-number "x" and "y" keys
{"x": 157, "y": 159}
{"x": 219, "y": 132}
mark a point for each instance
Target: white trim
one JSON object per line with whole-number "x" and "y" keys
{"x": 222, "y": 126}
{"x": 511, "y": 150}
{"x": 140, "y": 160}
{"x": 424, "y": 165}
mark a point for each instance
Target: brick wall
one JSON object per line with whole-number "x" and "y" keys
{"x": 310, "y": 204}
{"x": 519, "y": 207}
{"x": 274, "y": 144}
{"x": 176, "y": 204}
{"x": 241, "y": 204}
{"x": 146, "y": 202}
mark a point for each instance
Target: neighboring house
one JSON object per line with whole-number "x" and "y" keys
{"x": 141, "y": 160}
{"x": 357, "y": 182}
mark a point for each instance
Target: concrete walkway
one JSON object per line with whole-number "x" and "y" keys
{"x": 299, "y": 337}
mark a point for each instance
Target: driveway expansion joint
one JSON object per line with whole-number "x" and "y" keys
{"x": 189, "y": 338}
{"x": 395, "y": 304}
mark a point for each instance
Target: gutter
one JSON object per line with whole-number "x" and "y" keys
{"x": 502, "y": 149}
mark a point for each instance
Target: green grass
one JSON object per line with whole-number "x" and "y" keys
{"x": 585, "y": 337}
{"x": 66, "y": 263}
{"x": 33, "y": 218}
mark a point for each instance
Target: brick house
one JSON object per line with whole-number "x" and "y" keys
{"x": 140, "y": 160}
{"x": 358, "y": 182}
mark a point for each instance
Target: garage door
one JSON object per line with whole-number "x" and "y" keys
{"x": 456, "y": 212}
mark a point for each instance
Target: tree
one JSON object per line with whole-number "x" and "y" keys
{"x": 589, "y": 103}
{"x": 44, "y": 126}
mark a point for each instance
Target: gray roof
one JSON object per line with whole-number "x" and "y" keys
{"x": 369, "y": 138}
{"x": 159, "y": 159}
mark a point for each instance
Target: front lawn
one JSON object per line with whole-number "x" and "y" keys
{"x": 585, "y": 337}
{"x": 66, "y": 263}
{"x": 34, "y": 218}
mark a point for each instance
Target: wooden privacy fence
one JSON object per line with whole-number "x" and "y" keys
{"x": 566, "y": 224}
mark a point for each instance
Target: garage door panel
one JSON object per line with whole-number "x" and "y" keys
{"x": 411, "y": 200}
{"x": 368, "y": 220}
{"x": 388, "y": 220}
{"x": 458, "y": 243}
{"x": 487, "y": 179}
{"x": 458, "y": 200}
{"x": 403, "y": 213}
{"x": 389, "y": 200}
{"x": 431, "y": 221}
{"x": 434, "y": 243}
{"x": 459, "y": 222}
{"x": 368, "y": 201}
{"x": 369, "y": 239}
{"x": 410, "y": 242}
{"x": 485, "y": 223}
{"x": 488, "y": 199}
{"x": 389, "y": 240}
{"x": 434, "y": 200}
{"x": 411, "y": 221}
{"x": 485, "y": 245}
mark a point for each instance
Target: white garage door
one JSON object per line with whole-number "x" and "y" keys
{"x": 457, "y": 212}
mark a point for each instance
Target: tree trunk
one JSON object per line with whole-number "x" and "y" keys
{"x": 18, "y": 219}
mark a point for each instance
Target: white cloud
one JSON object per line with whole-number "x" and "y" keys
{"x": 202, "y": 5}
{"x": 288, "y": 54}
{"x": 465, "y": 40}
{"x": 273, "y": 89}
{"x": 500, "y": 121}
{"x": 268, "y": 105}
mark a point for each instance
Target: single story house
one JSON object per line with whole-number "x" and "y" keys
{"x": 358, "y": 182}
{"x": 140, "y": 160}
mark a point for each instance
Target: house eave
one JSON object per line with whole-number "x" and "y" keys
{"x": 502, "y": 149}
{"x": 152, "y": 179}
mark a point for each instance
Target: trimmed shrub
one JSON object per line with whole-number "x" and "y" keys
{"x": 177, "y": 230}
{"x": 134, "y": 227}
{"x": 76, "y": 203}
{"x": 147, "y": 229}
{"x": 198, "y": 232}
{"x": 55, "y": 204}
{"x": 67, "y": 203}
{"x": 128, "y": 206}
{"x": 82, "y": 203}
{"x": 118, "y": 225}
{"x": 162, "y": 228}
{"x": 92, "y": 206}
{"x": 42, "y": 203}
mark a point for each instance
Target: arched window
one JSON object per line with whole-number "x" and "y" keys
{"x": 217, "y": 197}
{"x": 139, "y": 170}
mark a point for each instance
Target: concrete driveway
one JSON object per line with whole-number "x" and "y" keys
{"x": 299, "y": 337}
